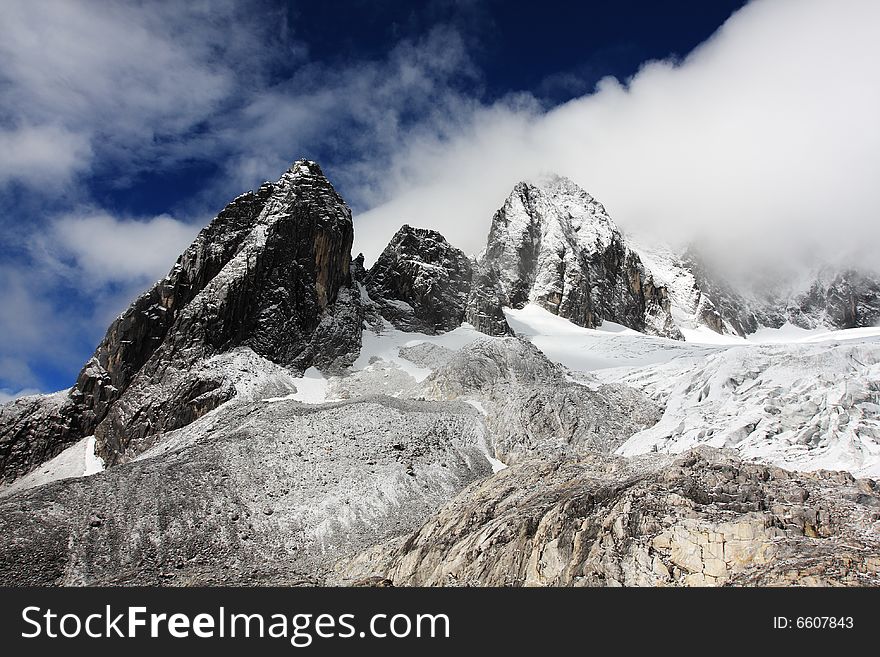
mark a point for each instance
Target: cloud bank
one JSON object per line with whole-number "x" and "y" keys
{"x": 763, "y": 143}
{"x": 764, "y": 140}
{"x": 95, "y": 249}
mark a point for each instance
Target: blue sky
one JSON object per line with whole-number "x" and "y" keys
{"x": 126, "y": 126}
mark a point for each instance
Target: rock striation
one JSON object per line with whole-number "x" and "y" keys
{"x": 703, "y": 519}
{"x": 554, "y": 245}
{"x": 420, "y": 282}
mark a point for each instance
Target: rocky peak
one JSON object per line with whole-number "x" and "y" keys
{"x": 271, "y": 273}
{"x": 420, "y": 282}
{"x": 554, "y": 245}
{"x": 839, "y": 299}
{"x": 826, "y": 296}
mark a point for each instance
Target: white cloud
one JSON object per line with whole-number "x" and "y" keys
{"x": 360, "y": 112}
{"x": 33, "y": 329}
{"x": 42, "y": 154}
{"x": 7, "y": 395}
{"x": 102, "y": 249}
{"x": 125, "y": 79}
{"x": 763, "y": 140}
{"x": 84, "y": 269}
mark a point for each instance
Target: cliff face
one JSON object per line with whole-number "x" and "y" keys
{"x": 271, "y": 272}
{"x": 703, "y": 519}
{"x": 847, "y": 299}
{"x": 762, "y": 294}
{"x": 554, "y": 245}
{"x": 420, "y": 282}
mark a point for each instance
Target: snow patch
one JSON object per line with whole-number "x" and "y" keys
{"x": 78, "y": 460}
{"x": 93, "y": 463}
{"x": 586, "y": 350}
{"x": 311, "y": 388}
{"x": 382, "y": 349}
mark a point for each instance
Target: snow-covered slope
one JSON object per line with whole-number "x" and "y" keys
{"x": 800, "y": 399}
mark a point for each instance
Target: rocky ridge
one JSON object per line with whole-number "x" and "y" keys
{"x": 554, "y": 245}
{"x": 257, "y": 493}
{"x": 246, "y": 442}
{"x": 702, "y": 519}
{"x": 271, "y": 272}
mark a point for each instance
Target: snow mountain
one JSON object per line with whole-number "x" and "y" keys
{"x": 554, "y": 245}
{"x": 826, "y": 297}
{"x": 567, "y": 408}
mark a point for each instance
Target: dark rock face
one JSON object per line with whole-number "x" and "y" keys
{"x": 487, "y": 300}
{"x": 271, "y": 272}
{"x": 555, "y": 246}
{"x": 849, "y": 299}
{"x": 34, "y": 430}
{"x": 420, "y": 282}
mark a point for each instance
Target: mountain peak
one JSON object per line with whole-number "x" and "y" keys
{"x": 554, "y": 184}
{"x": 271, "y": 273}
{"x": 303, "y": 166}
{"x": 420, "y": 282}
{"x": 554, "y": 245}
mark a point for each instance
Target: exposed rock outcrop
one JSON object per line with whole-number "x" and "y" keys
{"x": 704, "y": 519}
{"x": 265, "y": 492}
{"x": 554, "y": 245}
{"x": 700, "y": 295}
{"x": 271, "y": 272}
{"x": 247, "y": 441}
{"x": 420, "y": 282}
{"x": 847, "y": 299}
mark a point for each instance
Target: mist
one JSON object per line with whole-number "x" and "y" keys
{"x": 762, "y": 144}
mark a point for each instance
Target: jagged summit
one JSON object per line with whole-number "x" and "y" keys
{"x": 270, "y": 273}
{"x": 420, "y": 282}
{"x": 556, "y": 246}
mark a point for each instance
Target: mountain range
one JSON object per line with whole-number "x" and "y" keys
{"x": 569, "y": 407}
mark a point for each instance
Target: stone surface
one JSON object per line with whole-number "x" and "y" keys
{"x": 255, "y": 493}
{"x": 420, "y": 282}
{"x": 247, "y": 441}
{"x": 703, "y": 519}
{"x": 554, "y": 245}
{"x": 531, "y": 407}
